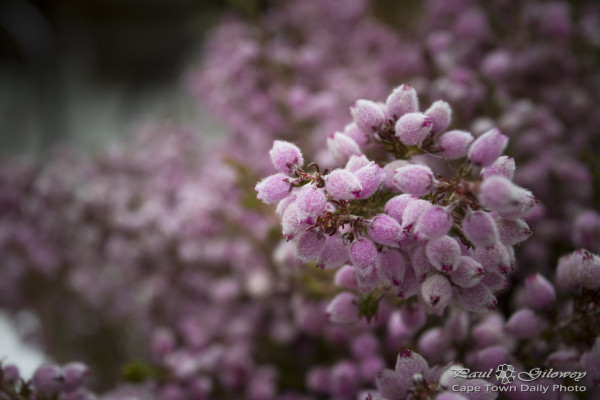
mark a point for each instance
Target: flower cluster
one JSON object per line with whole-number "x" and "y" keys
{"x": 400, "y": 225}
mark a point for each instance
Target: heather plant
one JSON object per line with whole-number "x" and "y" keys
{"x": 445, "y": 236}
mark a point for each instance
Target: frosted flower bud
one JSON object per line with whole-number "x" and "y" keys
{"x": 342, "y": 147}
{"x": 523, "y": 324}
{"x": 567, "y": 270}
{"x": 343, "y": 309}
{"x": 440, "y": 114}
{"x": 443, "y": 253}
{"x": 586, "y": 230}
{"x": 435, "y": 222}
{"x": 504, "y": 166}
{"x": 367, "y": 115}
{"x": 479, "y": 227}
{"x": 488, "y": 147}
{"x": 392, "y": 267}
{"x": 283, "y": 204}
{"x": 467, "y": 273}
{"x": 352, "y": 131}
{"x": 478, "y": 298}
{"x": 500, "y": 194}
{"x": 413, "y": 211}
{"x": 346, "y": 277}
{"x": 414, "y": 179}
{"x": 342, "y": 185}
{"x": 291, "y": 224}
{"x": 494, "y": 259}
{"x": 455, "y": 144}
{"x": 420, "y": 263}
{"x": 413, "y": 128}
{"x": 310, "y": 245}
{"x": 540, "y": 292}
{"x": 311, "y": 202}
{"x": 273, "y": 188}
{"x": 402, "y": 100}
{"x": 409, "y": 363}
{"x": 512, "y": 231}
{"x": 390, "y": 170}
{"x": 334, "y": 253}
{"x": 48, "y": 379}
{"x": 410, "y": 286}
{"x": 284, "y": 155}
{"x": 367, "y": 277}
{"x": 364, "y": 255}
{"x": 491, "y": 357}
{"x": 396, "y": 205}
{"x": 385, "y": 230}
{"x": 75, "y": 374}
{"x": 357, "y": 162}
{"x": 495, "y": 280}
{"x": 589, "y": 270}
{"x": 370, "y": 177}
{"x": 436, "y": 291}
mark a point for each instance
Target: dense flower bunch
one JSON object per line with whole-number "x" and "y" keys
{"x": 447, "y": 239}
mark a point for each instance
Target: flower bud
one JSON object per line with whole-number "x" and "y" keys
{"x": 352, "y": 131}
{"x": 311, "y": 202}
{"x": 291, "y": 224}
{"x": 392, "y": 267}
{"x": 436, "y": 291}
{"x": 440, "y": 114}
{"x": 478, "y": 298}
{"x": 367, "y": 115}
{"x": 495, "y": 280}
{"x": 367, "y": 278}
{"x": 342, "y": 147}
{"x": 370, "y": 177}
{"x": 435, "y": 222}
{"x": 402, "y": 100}
{"x": 342, "y": 185}
{"x": 455, "y": 144}
{"x": 284, "y": 155}
{"x": 334, "y": 253}
{"x": 450, "y": 396}
{"x": 491, "y": 357}
{"x": 409, "y": 363}
{"x": 468, "y": 272}
{"x": 385, "y": 230}
{"x": 389, "y": 386}
{"x": 283, "y": 204}
{"x": 590, "y": 362}
{"x": 343, "y": 309}
{"x": 364, "y": 256}
{"x": 512, "y": 231}
{"x": 48, "y": 379}
{"x": 524, "y": 324}
{"x": 479, "y": 227}
{"x": 396, "y": 205}
{"x": 540, "y": 292}
{"x": 413, "y": 211}
{"x": 420, "y": 263}
{"x": 414, "y": 179}
{"x": 389, "y": 170}
{"x": 357, "y": 162}
{"x": 589, "y": 270}
{"x": 273, "y": 188}
{"x": 504, "y": 166}
{"x": 567, "y": 270}
{"x": 370, "y": 367}
{"x": 494, "y": 259}
{"x": 75, "y": 374}
{"x": 488, "y": 147}
{"x": 309, "y": 246}
{"x": 346, "y": 277}
{"x": 499, "y": 194}
{"x": 410, "y": 286}
{"x": 443, "y": 253}
{"x": 11, "y": 373}
{"x": 413, "y": 128}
